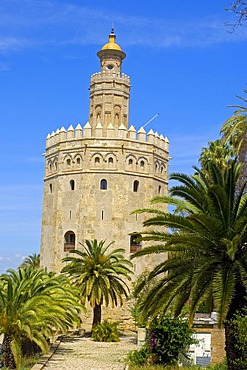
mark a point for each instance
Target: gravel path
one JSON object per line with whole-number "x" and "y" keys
{"x": 80, "y": 353}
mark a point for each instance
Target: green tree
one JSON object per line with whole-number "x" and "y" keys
{"x": 234, "y": 134}
{"x": 218, "y": 152}
{"x": 207, "y": 245}
{"x": 34, "y": 305}
{"x": 101, "y": 276}
{"x": 32, "y": 260}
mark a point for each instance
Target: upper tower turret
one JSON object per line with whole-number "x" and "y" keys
{"x": 109, "y": 89}
{"x": 111, "y": 55}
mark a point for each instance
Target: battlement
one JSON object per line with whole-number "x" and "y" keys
{"x": 110, "y": 76}
{"x": 71, "y": 134}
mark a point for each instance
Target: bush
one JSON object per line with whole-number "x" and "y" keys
{"x": 105, "y": 332}
{"x": 167, "y": 338}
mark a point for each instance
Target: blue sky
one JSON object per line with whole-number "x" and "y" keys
{"x": 182, "y": 62}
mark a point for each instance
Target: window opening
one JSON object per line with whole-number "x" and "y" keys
{"x": 130, "y": 161}
{"x": 135, "y": 243}
{"x": 142, "y": 163}
{"x": 159, "y": 189}
{"x": 102, "y": 215}
{"x": 103, "y": 184}
{"x": 72, "y": 184}
{"x": 110, "y": 160}
{"x": 78, "y": 161}
{"x": 50, "y": 188}
{"x": 70, "y": 215}
{"x": 68, "y": 162}
{"x": 135, "y": 186}
{"x": 69, "y": 241}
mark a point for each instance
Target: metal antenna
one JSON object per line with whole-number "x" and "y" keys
{"x": 156, "y": 115}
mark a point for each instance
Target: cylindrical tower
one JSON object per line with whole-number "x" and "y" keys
{"x": 97, "y": 175}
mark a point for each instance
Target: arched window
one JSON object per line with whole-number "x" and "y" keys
{"x": 135, "y": 186}
{"x": 161, "y": 170}
{"x": 97, "y": 161}
{"x": 78, "y": 161}
{"x": 68, "y": 162}
{"x": 142, "y": 164}
{"x": 130, "y": 162}
{"x": 110, "y": 160}
{"x": 159, "y": 189}
{"x": 69, "y": 241}
{"x": 156, "y": 167}
{"x": 103, "y": 184}
{"x": 72, "y": 184}
{"x": 135, "y": 243}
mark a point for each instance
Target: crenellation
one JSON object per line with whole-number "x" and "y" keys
{"x": 122, "y": 131}
{"x": 78, "y": 132}
{"x": 132, "y": 132}
{"x": 62, "y": 134}
{"x": 70, "y": 133}
{"x": 151, "y": 136}
{"x": 141, "y": 134}
{"x": 99, "y": 130}
{"x": 87, "y": 130}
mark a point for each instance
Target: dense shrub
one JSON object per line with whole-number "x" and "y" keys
{"x": 167, "y": 338}
{"x": 105, "y": 332}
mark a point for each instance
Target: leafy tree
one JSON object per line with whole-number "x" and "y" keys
{"x": 217, "y": 151}
{"x": 32, "y": 260}
{"x": 101, "y": 275}
{"x": 234, "y": 134}
{"x": 33, "y": 305}
{"x": 207, "y": 246}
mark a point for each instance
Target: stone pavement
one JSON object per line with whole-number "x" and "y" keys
{"x": 81, "y": 353}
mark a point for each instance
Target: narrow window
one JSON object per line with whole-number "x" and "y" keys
{"x": 72, "y": 184}
{"x": 142, "y": 164}
{"x": 102, "y": 215}
{"x": 135, "y": 243}
{"x": 103, "y": 184}
{"x": 70, "y": 215}
{"x": 97, "y": 160}
{"x": 68, "y": 162}
{"x": 69, "y": 241}
{"x": 162, "y": 170}
{"x": 50, "y": 188}
{"x": 130, "y": 162}
{"x": 110, "y": 160}
{"x": 135, "y": 186}
{"x": 159, "y": 189}
{"x": 156, "y": 167}
{"x": 78, "y": 161}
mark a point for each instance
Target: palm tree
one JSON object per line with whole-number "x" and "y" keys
{"x": 101, "y": 276}
{"x": 207, "y": 245}
{"x": 33, "y": 305}
{"x": 234, "y": 133}
{"x": 32, "y": 260}
{"x": 218, "y": 152}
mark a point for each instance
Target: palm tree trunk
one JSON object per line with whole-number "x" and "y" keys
{"x": 7, "y": 355}
{"x": 96, "y": 315}
{"x": 235, "y": 353}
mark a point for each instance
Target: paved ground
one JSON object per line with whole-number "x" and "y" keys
{"x": 81, "y": 353}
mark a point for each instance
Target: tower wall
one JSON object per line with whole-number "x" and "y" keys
{"x": 134, "y": 166}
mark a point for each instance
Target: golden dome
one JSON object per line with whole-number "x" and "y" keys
{"x": 111, "y": 44}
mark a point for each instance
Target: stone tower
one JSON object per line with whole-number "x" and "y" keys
{"x": 97, "y": 175}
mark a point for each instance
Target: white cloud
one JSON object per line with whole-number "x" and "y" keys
{"x": 53, "y": 22}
